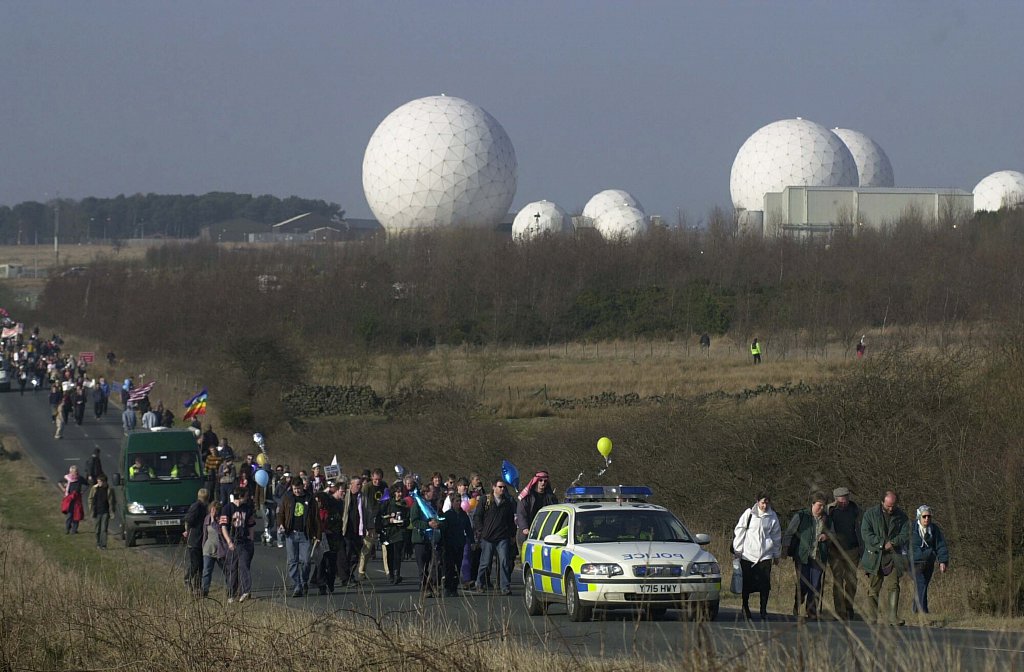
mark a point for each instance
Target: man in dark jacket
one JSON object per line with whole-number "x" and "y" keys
{"x": 355, "y": 520}
{"x": 536, "y": 495}
{"x": 886, "y": 532}
{"x": 811, "y": 530}
{"x": 496, "y": 520}
{"x": 845, "y": 551}
{"x": 193, "y": 535}
{"x": 928, "y": 545}
{"x": 298, "y": 520}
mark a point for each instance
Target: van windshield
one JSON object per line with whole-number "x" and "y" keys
{"x": 169, "y": 466}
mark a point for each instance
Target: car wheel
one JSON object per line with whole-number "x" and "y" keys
{"x": 534, "y": 605}
{"x": 577, "y": 611}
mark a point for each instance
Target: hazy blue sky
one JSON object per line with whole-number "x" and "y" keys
{"x": 101, "y": 98}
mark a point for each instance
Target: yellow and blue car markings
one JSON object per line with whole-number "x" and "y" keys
{"x": 548, "y": 565}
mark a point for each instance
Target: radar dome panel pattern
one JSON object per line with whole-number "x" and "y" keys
{"x": 1003, "y": 189}
{"x": 608, "y": 199}
{"x": 540, "y": 218}
{"x": 873, "y": 166}
{"x": 787, "y": 153}
{"x": 437, "y": 162}
{"x": 621, "y": 222}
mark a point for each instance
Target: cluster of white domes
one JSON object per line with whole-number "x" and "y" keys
{"x": 1001, "y": 189}
{"x": 873, "y": 167}
{"x": 439, "y": 161}
{"x": 787, "y": 153}
{"x": 540, "y": 218}
{"x": 621, "y": 222}
{"x": 605, "y": 200}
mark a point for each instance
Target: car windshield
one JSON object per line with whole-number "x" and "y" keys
{"x": 628, "y": 525}
{"x": 169, "y": 466}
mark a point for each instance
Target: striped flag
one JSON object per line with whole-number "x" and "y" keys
{"x": 137, "y": 394}
{"x": 196, "y": 405}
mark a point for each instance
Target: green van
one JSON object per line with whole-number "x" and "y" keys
{"x": 160, "y": 475}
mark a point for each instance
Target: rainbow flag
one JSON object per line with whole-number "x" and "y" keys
{"x": 196, "y": 405}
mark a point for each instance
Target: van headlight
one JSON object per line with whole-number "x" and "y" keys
{"x": 705, "y": 568}
{"x": 136, "y": 508}
{"x": 600, "y": 569}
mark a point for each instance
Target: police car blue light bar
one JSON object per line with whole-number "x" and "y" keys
{"x": 608, "y": 493}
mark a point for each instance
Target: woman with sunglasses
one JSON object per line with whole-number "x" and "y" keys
{"x": 929, "y": 547}
{"x": 537, "y": 494}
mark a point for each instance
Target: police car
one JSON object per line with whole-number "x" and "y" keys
{"x": 608, "y": 547}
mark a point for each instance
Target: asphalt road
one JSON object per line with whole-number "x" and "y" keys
{"x": 613, "y": 633}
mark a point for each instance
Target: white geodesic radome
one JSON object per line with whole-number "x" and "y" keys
{"x": 621, "y": 222}
{"x": 540, "y": 218}
{"x": 789, "y": 153}
{"x": 999, "y": 190}
{"x": 873, "y": 166}
{"x": 608, "y": 199}
{"x": 439, "y": 161}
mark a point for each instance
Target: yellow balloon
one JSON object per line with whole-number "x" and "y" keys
{"x": 261, "y": 459}
{"x": 604, "y": 446}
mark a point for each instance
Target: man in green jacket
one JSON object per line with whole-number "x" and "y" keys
{"x": 809, "y": 531}
{"x": 885, "y": 530}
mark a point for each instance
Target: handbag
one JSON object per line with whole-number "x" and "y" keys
{"x": 736, "y": 584}
{"x": 65, "y": 504}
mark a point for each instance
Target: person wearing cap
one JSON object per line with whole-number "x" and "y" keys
{"x": 885, "y": 530}
{"x": 928, "y": 546}
{"x": 536, "y": 495}
{"x": 317, "y": 482}
{"x": 810, "y": 531}
{"x": 845, "y": 551}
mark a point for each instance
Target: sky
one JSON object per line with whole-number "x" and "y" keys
{"x": 104, "y": 98}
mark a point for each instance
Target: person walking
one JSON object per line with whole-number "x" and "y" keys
{"x": 885, "y": 530}
{"x": 811, "y": 530}
{"x": 60, "y": 418}
{"x": 536, "y": 495}
{"x": 497, "y": 523}
{"x": 237, "y": 519}
{"x": 102, "y": 503}
{"x": 395, "y": 518}
{"x": 329, "y": 512}
{"x": 757, "y": 542}
{"x": 755, "y": 351}
{"x": 128, "y": 418}
{"x": 93, "y": 466}
{"x": 211, "y": 545}
{"x": 456, "y": 534}
{"x": 193, "y": 535}
{"x": 928, "y": 545}
{"x": 845, "y": 552}
{"x": 374, "y": 491}
{"x": 72, "y": 502}
{"x": 227, "y": 477}
{"x": 354, "y": 521}
{"x": 297, "y": 520}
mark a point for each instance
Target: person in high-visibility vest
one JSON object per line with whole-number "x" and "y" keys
{"x": 755, "y": 350}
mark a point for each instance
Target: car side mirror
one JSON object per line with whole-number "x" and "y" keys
{"x": 116, "y": 480}
{"x": 702, "y": 539}
{"x": 555, "y": 540}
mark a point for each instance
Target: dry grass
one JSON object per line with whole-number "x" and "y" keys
{"x": 42, "y": 256}
{"x": 64, "y": 605}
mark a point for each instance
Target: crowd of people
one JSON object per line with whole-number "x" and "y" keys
{"x": 455, "y": 530}
{"x": 880, "y": 543}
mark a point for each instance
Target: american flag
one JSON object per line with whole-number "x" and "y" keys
{"x": 138, "y": 393}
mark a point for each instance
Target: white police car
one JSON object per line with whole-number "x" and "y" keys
{"x": 607, "y": 547}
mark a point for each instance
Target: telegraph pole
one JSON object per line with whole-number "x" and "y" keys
{"x": 56, "y": 230}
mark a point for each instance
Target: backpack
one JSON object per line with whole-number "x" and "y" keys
{"x": 750, "y": 517}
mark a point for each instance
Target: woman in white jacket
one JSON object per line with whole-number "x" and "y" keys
{"x": 757, "y": 542}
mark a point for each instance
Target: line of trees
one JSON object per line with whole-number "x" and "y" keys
{"x": 480, "y": 288}
{"x": 139, "y": 215}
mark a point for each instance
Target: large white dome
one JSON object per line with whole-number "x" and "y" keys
{"x": 873, "y": 166}
{"x": 999, "y": 190}
{"x": 788, "y": 153}
{"x": 608, "y": 199}
{"x": 621, "y": 222}
{"x": 439, "y": 161}
{"x": 539, "y": 218}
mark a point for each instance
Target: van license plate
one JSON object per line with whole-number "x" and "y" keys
{"x": 168, "y": 523}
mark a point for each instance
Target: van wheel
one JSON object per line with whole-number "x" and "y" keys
{"x": 534, "y": 605}
{"x": 573, "y": 605}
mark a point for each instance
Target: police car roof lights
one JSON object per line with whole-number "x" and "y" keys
{"x": 608, "y": 493}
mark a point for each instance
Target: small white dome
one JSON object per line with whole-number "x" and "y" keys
{"x": 999, "y": 190}
{"x": 621, "y": 222}
{"x": 540, "y": 218}
{"x": 873, "y": 166}
{"x": 608, "y": 199}
{"x": 789, "y": 153}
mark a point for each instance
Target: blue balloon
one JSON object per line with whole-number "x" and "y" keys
{"x": 510, "y": 473}
{"x": 262, "y": 478}
{"x": 427, "y": 509}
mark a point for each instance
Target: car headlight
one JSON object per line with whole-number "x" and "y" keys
{"x": 135, "y": 507}
{"x": 600, "y": 569}
{"x": 705, "y": 568}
